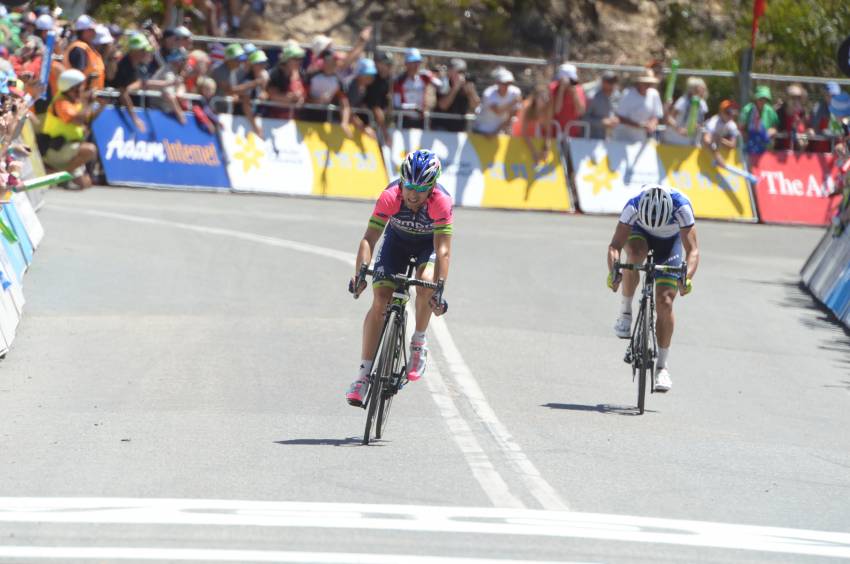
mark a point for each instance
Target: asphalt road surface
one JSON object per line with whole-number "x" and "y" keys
{"x": 176, "y": 392}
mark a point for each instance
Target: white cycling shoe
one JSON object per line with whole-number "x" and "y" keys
{"x": 663, "y": 383}
{"x": 623, "y": 326}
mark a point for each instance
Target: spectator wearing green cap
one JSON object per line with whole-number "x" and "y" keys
{"x": 286, "y": 82}
{"x": 133, "y": 73}
{"x": 253, "y": 88}
{"x": 759, "y": 121}
{"x": 230, "y": 72}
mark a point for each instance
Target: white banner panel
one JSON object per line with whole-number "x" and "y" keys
{"x": 279, "y": 163}
{"x": 35, "y": 231}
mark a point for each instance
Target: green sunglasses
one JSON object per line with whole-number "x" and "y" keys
{"x": 418, "y": 187}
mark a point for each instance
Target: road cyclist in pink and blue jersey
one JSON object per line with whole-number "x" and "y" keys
{"x": 414, "y": 213}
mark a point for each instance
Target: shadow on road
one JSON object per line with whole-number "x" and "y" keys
{"x": 322, "y": 442}
{"x": 598, "y": 408}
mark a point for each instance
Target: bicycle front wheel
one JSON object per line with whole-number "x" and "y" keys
{"x": 388, "y": 391}
{"x": 642, "y": 355}
{"x": 381, "y": 375}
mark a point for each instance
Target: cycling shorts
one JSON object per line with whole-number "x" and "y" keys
{"x": 667, "y": 251}
{"x": 394, "y": 254}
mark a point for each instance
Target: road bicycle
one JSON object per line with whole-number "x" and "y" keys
{"x": 389, "y": 372}
{"x": 643, "y": 346}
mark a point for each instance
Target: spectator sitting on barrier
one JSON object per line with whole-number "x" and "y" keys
{"x": 82, "y": 54}
{"x": 759, "y": 122}
{"x": 326, "y": 88}
{"x": 639, "y": 111}
{"x": 457, "y": 96}
{"x": 794, "y": 119}
{"x": 499, "y": 103}
{"x": 365, "y": 73}
{"x": 286, "y": 83}
{"x": 231, "y": 72}
{"x": 721, "y": 130}
{"x": 410, "y": 89}
{"x": 686, "y": 116}
{"x": 65, "y": 127}
{"x": 568, "y": 98}
{"x": 133, "y": 72}
{"x": 536, "y": 121}
{"x": 202, "y": 109}
{"x": 600, "y": 113}
{"x": 170, "y": 75}
{"x": 378, "y": 93}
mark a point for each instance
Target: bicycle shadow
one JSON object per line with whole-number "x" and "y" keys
{"x": 348, "y": 441}
{"x": 604, "y": 408}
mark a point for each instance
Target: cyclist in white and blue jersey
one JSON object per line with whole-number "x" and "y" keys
{"x": 661, "y": 219}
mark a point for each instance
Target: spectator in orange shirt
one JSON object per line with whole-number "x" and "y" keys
{"x": 536, "y": 122}
{"x": 568, "y": 98}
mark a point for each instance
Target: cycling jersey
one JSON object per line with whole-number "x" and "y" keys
{"x": 682, "y": 216}
{"x": 435, "y": 215}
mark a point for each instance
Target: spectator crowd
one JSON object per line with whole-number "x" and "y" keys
{"x": 93, "y": 65}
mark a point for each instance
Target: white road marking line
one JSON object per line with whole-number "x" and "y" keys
{"x": 542, "y": 491}
{"x": 479, "y": 463}
{"x": 419, "y": 519}
{"x": 214, "y": 555}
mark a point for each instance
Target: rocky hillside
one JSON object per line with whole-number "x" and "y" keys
{"x": 615, "y": 31}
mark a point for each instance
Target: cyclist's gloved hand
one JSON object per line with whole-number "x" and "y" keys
{"x": 438, "y": 304}
{"x": 356, "y": 291}
{"x": 687, "y": 287}
{"x": 613, "y": 281}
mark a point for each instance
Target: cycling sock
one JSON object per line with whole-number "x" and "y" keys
{"x": 418, "y": 337}
{"x": 626, "y": 305}
{"x": 365, "y": 368}
{"x": 662, "y": 357}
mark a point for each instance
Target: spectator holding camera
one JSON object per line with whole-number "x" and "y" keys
{"x": 66, "y": 123}
{"x": 82, "y": 53}
{"x": 568, "y": 99}
{"x": 458, "y": 97}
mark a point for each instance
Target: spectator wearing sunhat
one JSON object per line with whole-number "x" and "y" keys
{"x": 134, "y": 73}
{"x": 44, "y": 24}
{"x": 104, "y": 42}
{"x": 82, "y": 54}
{"x": 458, "y": 97}
{"x": 794, "y": 119}
{"x": 686, "y": 116}
{"x": 499, "y": 103}
{"x": 410, "y": 90}
{"x": 759, "y": 121}
{"x": 639, "y": 111}
{"x": 65, "y": 127}
{"x": 721, "y": 130}
{"x": 322, "y": 43}
{"x": 231, "y": 72}
{"x": 569, "y": 101}
{"x": 287, "y": 84}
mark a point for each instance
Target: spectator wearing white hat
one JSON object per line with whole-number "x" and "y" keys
{"x": 83, "y": 56}
{"x": 499, "y": 103}
{"x": 568, "y": 97}
{"x": 323, "y": 43}
{"x": 44, "y": 24}
{"x": 109, "y": 53}
{"x": 410, "y": 90}
{"x": 639, "y": 111}
{"x": 458, "y": 97}
{"x": 686, "y": 117}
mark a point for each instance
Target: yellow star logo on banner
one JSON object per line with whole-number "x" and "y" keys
{"x": 600, "y": 175}
{"x": 249, "y": 152}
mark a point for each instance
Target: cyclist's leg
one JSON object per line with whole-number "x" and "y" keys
{"x": 668, "y": 252}
{"x": 636, "y": 250}
{"x": 418, "y": 341}
{"x": 423, "y": 295}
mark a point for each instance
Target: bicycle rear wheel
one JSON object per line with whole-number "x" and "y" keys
{"x": 641, "y": 355}
{"x": 380, "y": 375}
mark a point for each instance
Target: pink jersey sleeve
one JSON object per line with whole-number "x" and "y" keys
{"x": 440, "y": 211}
{"x": 388, "y": 204}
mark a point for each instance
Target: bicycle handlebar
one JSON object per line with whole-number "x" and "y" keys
{"x": 682, "y": 269}
{"x": 398, "y": 279}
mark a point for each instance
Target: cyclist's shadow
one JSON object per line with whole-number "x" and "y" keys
{"x": 604, "y": 408}
{"x": 348, "y": 441}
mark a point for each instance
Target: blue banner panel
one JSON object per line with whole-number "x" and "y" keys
{"x": 17, "y": 225}
{"x": 167, "y": 154}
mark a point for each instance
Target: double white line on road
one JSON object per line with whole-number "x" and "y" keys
{"x": 481, "y": 466}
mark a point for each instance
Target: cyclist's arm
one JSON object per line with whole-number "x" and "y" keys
{"x": 443, "y": 250}
{"x": 689, "y": 242}
{"x": 621, "y": 235}
{"x": 367, "y": 246}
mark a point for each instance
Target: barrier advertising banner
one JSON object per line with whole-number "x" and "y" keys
{"x": 484, "y": 171}
{"x": 167, "y": 154}
{"x": 608, "y": 173}
{"x": 795, "y": 187}
{"x": 33, "y": 226}
{"x": 305, "y": 158}
{"x": 32, "y": 165}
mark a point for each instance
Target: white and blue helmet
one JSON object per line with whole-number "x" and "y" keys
{"x": 655, "y": 207}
